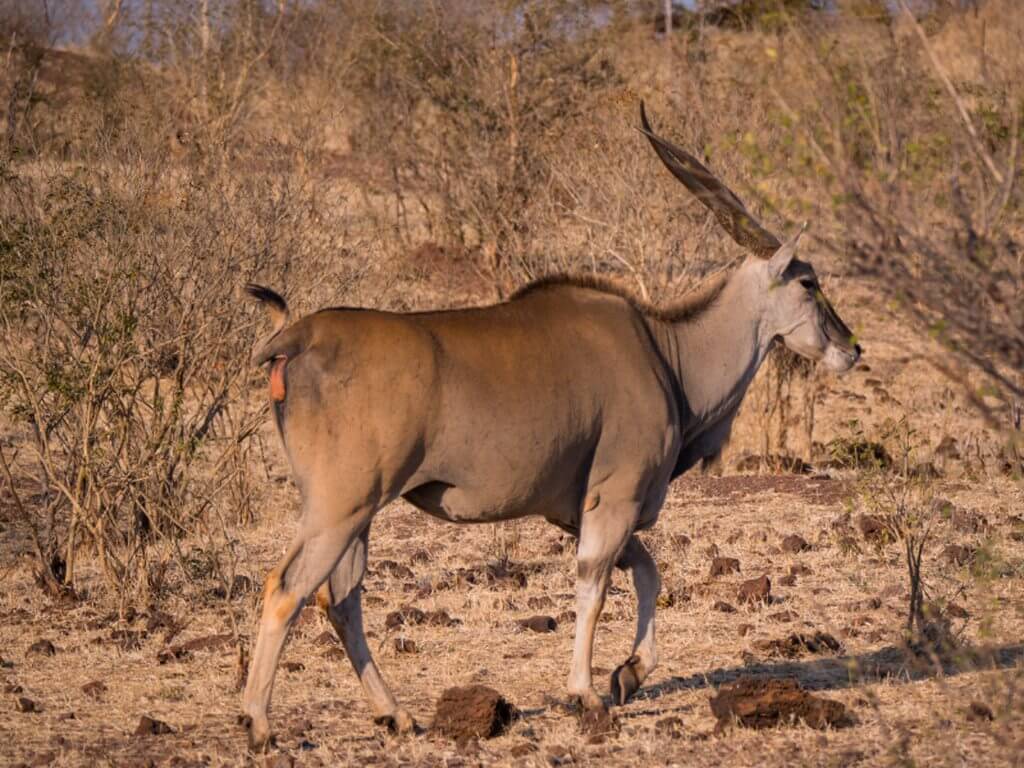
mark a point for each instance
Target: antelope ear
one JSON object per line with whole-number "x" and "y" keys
{"x": 780, "y": 260}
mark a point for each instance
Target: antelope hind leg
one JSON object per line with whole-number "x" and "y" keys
{"x": 341, "y": 597}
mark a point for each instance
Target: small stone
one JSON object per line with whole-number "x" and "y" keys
{"x": 723, "y": 566}
{"x": 42, "y": 648}
{"x": 755, "y": 591}
{"x": 979, "y": 712}
{"x": 795, "y": 544}
{"x": 149, "y": 726}
{"x": 539, "y": 624}
{"x": 27, "y": 705}
{"x": 95, "y": 689}
{"x": 405, "y": 645}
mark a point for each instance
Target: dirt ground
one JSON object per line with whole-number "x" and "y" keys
{"x": 905, "y": 710}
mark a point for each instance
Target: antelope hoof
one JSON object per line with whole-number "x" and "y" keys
{"x": 260, "y": 738}
{"x": 399, "y": 722}
{"x": 626, "y": 681}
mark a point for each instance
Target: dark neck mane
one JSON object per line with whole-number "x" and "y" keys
{"x": 690, "y": 306}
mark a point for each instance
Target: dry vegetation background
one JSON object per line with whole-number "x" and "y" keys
{"x": 410, "y": 156}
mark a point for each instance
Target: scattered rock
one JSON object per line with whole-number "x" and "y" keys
{"x": 598, "y": 723}
{"x": 948, "y": 448}
{"x": 874, "y": 529}
{"x": 797, "y": 644}
{"x": 42, "y": 648}
{"x": 406, "y": 616}
{"x": 755, "y": 591}
{"x": 724, "y": 607}
{"x": 27, "y": 705}
{"x": 760, "y": 703}
{"x": 723, "y": 566}
{"x": 539, "y": 624}
{"x": 958, "y": 554}
{"x": 795, "y": 544}
{"x": 95, "y": 689}
{"x": 149, "y": 726}
{"x": 405, "y": 645}
{"x": 472, "y": 712}
{"x": 979, "y": 712}
{"x": 670, "y": 728}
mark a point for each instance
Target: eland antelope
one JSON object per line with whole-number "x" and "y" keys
{"x": 573, "y": 400}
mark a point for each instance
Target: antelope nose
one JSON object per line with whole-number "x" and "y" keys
{"x": 858, "y": 350}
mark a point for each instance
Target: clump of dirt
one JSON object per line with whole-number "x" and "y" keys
{"x": 539, "y": 624}
{"x": 723, "y": 566}
{"x": 754, "y": 591}
{"x": 149, "y": 726}
{"x": 798, "y": 644}
{"x": 472, "y": 712}
{"x": 766, "y": 703}
{"x": 794, "y": 544}
{"x": 875, "y": 529}
{"x": 42, "y": 648}
{"x": 406, "y": 616}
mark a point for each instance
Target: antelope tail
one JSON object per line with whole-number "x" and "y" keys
{"x": 275, "y": 344}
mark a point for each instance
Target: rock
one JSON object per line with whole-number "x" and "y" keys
{"x": 406, "y": 616}
{"x": 26, "y": 705}
{"x": 472, "y": 712}
{"x": 42, "y": 648}
{"x": 797, "y": 644}
{"x": 405, "y": 645}
{"x": 795, "y": 544}
{"x": 874, "y": 529}
{"x": 723, "y": 566}
{"x": 670, "y": 728}
{"x": 149, "y": 726}
{"x": 958, "y": 554}
{"x": 766, "y": 703}
{"x": 724, "y": 607}
{"x": 755, "y": 591}
{"x": 95, "y": 689}
{"x": 979, "y": 712}
{"x": 538, "y": 624}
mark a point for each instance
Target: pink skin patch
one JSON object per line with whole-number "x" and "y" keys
{"x": 277, "y": 379}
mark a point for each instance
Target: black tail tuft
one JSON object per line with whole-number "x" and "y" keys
{"x": 267, "y": 295}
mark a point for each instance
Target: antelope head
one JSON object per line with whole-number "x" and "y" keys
{"x": 793, "y": 307}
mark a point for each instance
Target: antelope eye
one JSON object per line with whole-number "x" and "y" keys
{"x": 808, "y": 284}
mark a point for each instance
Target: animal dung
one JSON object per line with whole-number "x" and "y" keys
{"x": 539, "y": 624}
{"x": 472, "y": 712}
{"x": 765, "y": 703}
{"x": 755, "y": 590}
